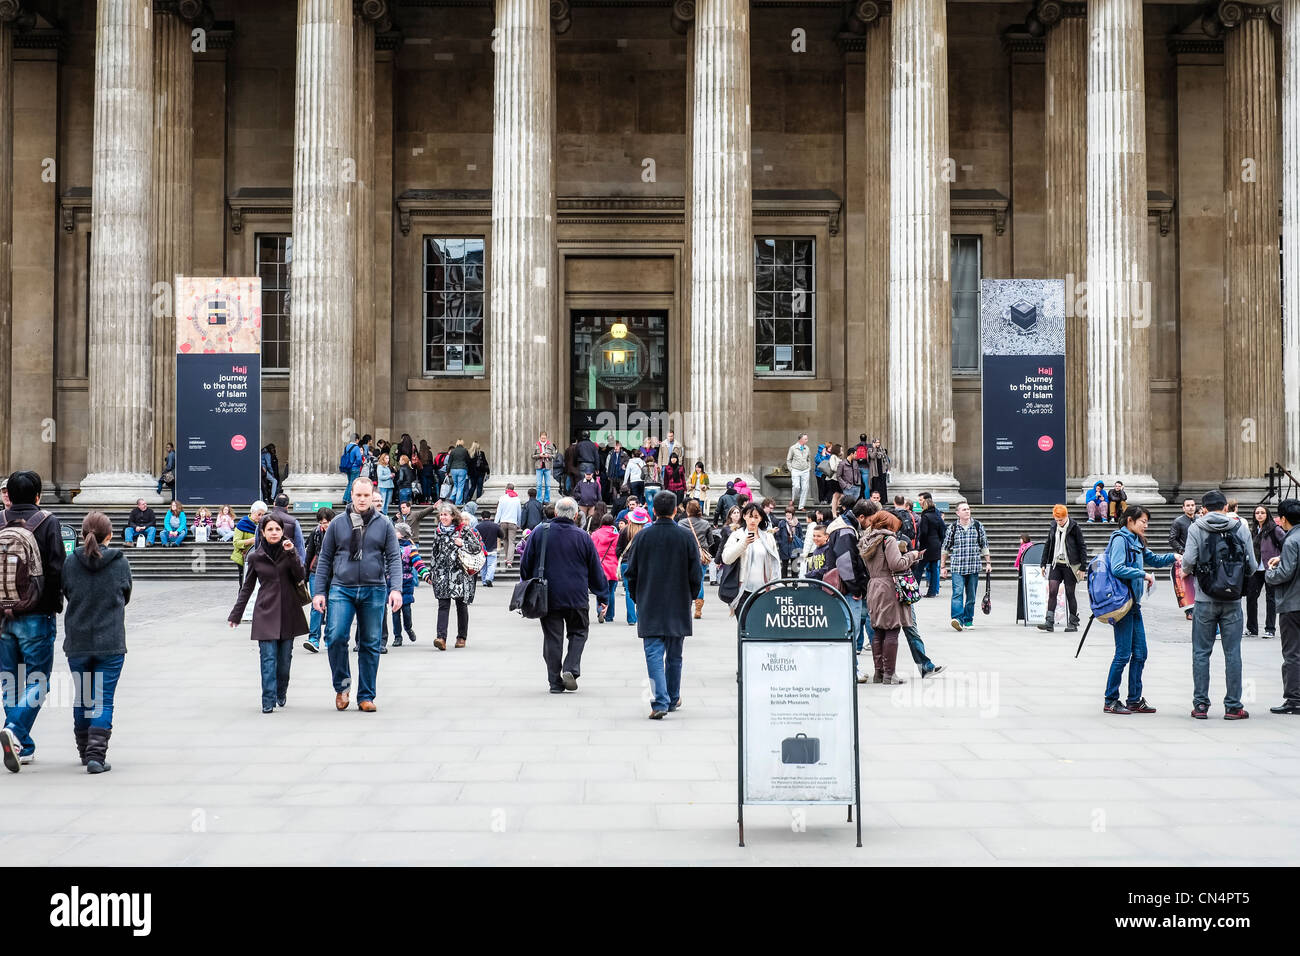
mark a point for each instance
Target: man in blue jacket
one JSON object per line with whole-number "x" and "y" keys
{"x": 359, "y": 562}
{"x": 663, "y": 577}
{"x": 350, "y": 465}
{"x": 572, "y": 572}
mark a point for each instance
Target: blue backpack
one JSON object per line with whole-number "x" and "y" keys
{"x": 1110, "y": 597}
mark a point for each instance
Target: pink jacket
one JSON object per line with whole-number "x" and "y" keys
{"x": 605, "y": 538}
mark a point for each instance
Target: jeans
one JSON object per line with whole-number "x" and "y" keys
{"x": 928, "y": 571}
{"x": 544, "y": 485}
{"x": 426, "y": 485}
{"x": 386, "y": 497}
{"x": 1254, "y": 584}
{"x": 609, "y": 599}
{"x": 864, "y": 476}
{"x": 276, "y": 656}
{"x": 462, "y": 618}
{"x": 964, "y": 589}
{"x": 94, "y": 681}
{"x": 404, "y": 494}
{"x": 475, "y": 487}
{"x": 316, "y": 617}
{"x": 554, "y": 626}
{"x": 917, "y": 649}
{"x": 353, "y": 475}
{"x": 1224, "y": 617}
{"x": 173, "y": 539}
{"x": 129, "y": 535}
{"x": 27, "y": 654}
{"x": 862, "y": 629}
{"x": 627, "y": 595}
{"x": 366, "y": 604}
{"x": 799, "y": 487}
{"x": 704, "y": 576}
{"x": 489, "y": 571}
{"x": 663, "y": 661}
{"x": 402, "y": 621}
{"x": 1130, "y": 650}
{"x": 459, "y": 485}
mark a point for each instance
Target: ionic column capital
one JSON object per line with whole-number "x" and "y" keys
{"x": 1233, "y": 13}
{"x": 561, "y": 16}
{"x": 1048, "y": 13}
{"x": 196, "y": 12}
{"x": 375, "y": 12}
{"x": 683, "y": 15}
{"x": 873, "y": 11}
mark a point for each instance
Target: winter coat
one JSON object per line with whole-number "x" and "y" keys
{"x": 698, "y": 482}
{"x": 818, "y": 562}
{"x": 385, "y": 476}
{"x": 734, "y": 552}
{"x": 847, "y": 475}
{"x": 845, "y": 556}
{"x": 798, "y": 457}
{"x": 884, "y": 558}
{"x": 587, "y": 493}
{"x": 277, "y": 615}
{"x": 1178, "y": 533}
{"x": 1268, "y": 542}
{"x": 245, "y": 535}
{"x": 605, "y": 540}
{"x": 49, "y": 541}
{"x": 174, "y": 525}
{"x": 1199, "y": 545}
{"x": 141, "y": 519}
{"x": 789, "y": 541}
{"x": 1286, "y": 576}
{"x": 573, "y": 569}
{"x": 413, "y": 569}
{"x": 381, "y": 559}
{"x": 701, "y": 529}
{"x": 533, "y": 514}
{"x": 1127, "y": 555}
{"x": 1076, "y": 546}
{"x": 509, "y": 509}
{"x": 663, "y": 577}
{"x": 675, "y": 478}
{"x": 543, "y": 455}
{"x": 458, "y": 457}
{"x": 449, "y": 578}
{"x": 97, "y": 590}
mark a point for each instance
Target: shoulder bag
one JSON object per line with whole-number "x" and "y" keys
{"x": 531, "y": 596}
{"x": 705, "y": 557}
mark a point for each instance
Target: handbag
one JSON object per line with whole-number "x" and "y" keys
{"x": 905, "y": 586}
{"x": 168, "y": 477}
{"x": 444, "y": 490}
{"x": 471, "y": 562}
{"x": 531, "y": 596}
{"x": 705, "y": 557}
{"x": 987, "y": 604}
{"x": 832, "y": 577}
{"x": 304, "y": 593}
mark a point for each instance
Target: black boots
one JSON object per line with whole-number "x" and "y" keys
{"x": 1072, "y": 624}
{"x": 81, "y": 735}
{"x": 97, "y": 749}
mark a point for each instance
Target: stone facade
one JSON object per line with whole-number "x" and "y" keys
{"x": 628, "y": 171}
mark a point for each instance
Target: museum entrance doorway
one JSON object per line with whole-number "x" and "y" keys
{"x": 618, "y": 374}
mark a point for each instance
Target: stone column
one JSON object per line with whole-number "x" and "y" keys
{"x": 921, "y": 422}
{"x": 1118, "y": 291}
{"x": 172, "y": 205}
{"x": 1252, "y": 335}
{"x": 321, "y": 348}
{"x": 1065, "y": 160}
{"x": 120, "y": 447}
{"x": 875, "y": 368}
{"x": 521, "y": 360}
{"x": 1291, "y": 230}
{"x": 722, "y": 244}
{"x": 362, "y": 406}
{"x": 8, "y": 13}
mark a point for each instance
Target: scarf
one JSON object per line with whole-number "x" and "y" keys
{"x": 246, "y": 524}
{"x": 358, "y": 531}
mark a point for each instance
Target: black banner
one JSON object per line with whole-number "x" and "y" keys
{"x": 1024, "y": 429}
{"x": 218, "y": 423}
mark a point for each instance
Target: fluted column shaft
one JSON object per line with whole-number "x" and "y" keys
{"x": 1291, "y": 231}
{"x": 363, "y": 235}
{"x": 521, "y": 350}
{"x": 120, "y": 445}
{"x": 920, "y": 308}
{"x": 6, "y": 230}
{"x": 875, "y": 368}
{"x": 1118, "y": 291}
{"x": 1066, "y": 163}
{"x": 172, "y": 206}
{"x": 722, "y": 241}
{"x": 1252, "y": 335}
{"x": 321, "y": 351}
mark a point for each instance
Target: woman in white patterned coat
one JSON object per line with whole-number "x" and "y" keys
{"x": 452, "y": 536}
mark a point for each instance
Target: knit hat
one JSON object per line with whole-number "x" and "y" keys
{"x": 1060, "y": 511}
{"x": 1213, "y": 500}
{"x": 638, "y": 516}
{"x": 403, "y": 529}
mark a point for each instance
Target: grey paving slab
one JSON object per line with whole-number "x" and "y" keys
{"x": 1006, "y": 759}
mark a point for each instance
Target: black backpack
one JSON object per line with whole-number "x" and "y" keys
{"x": 1222, "y": 571}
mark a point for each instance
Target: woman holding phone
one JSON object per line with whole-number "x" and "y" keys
{"x": 752, "y": 550}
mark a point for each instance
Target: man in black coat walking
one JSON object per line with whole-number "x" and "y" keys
{"x": 930, "y": 532}
{"x": 1065, "y": 553}
{"x": 663, "y": 578}
{"x": 572, "y": 571}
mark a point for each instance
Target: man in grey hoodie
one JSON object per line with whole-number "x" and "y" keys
{"x": 1284, "y": 574}
{"x": 1212, "y": 613}
{"x": 359, "y": 562}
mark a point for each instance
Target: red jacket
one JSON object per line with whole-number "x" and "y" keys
{"x": 605, "y": 538}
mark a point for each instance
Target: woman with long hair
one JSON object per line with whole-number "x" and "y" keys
{"x": 174, "y": 527}
{"x": 751, "y": 557}
{"x": 884, "y": 557}
{"x": 96, "y": 587}
{"x": 226, "y": 523}
{"x": 451, "y": 582}
{"x": 1268, "y": 536}
{"x": 385, "y": 482}
{"x": 637, "y": 519}
{"x": 674, "y": 477}
{"x": 277, "y": 615}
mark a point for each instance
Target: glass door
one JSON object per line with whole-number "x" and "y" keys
{"x": 619, "y": 377}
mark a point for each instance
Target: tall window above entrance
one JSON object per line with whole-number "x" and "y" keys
{"x": 966, "y": 303}
{"x": 274, "y": 265}
{"x": 453, "y": 305}
{"x": 785, "y": 308}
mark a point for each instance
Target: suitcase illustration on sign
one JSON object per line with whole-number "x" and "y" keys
{"x": 801, "y": 749}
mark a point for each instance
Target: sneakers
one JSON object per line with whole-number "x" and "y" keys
{"x": 1200, "y": 711}
{"x": 1252, "y": 633}
{"x": 956, "y": 624}
{"x": 397, "y": 642}
{"x": 312, "y": 646}
{"x": 282, "y": 702}
{"x": 567, "y": 677}
{"x": 863, "y": 678}
{"x": 675, "y": 705}
{"x": 1236, "y": 713}
{"x": 937, "y": 669}
{"x": 383, "y": 649}
{"x": 1268, "y": 632}
{"x": 893, "y": 679}
{"x": 1141, "y": 707}
{"x": 9, "y": 744}
{"x": 557, "y": 690}
{"x": 268, "y": 710}
{"x": 1115, "y": 707}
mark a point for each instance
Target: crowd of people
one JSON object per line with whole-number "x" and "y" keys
{"x": 620, "y": 517}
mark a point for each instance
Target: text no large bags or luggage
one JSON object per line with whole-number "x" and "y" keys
{"x": 531, "y": 596}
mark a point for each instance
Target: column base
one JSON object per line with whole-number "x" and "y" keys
{"x": 1141, "y": 489}
{"x": 1247, "y": 491}
{"x": 303, "y": 489}
{"x": 911, "y": 484}
{"x": 116, "y": 488}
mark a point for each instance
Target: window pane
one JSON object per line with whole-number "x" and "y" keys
{"x": 764, "y": 303}
{"x": 274, "y": 254}
{"x": 764, "y": 331}
{"x": 454, "y": 305}
{"x": 784, "y": 252}
{"x": 784, "y": 278}
{"x": 784, "y": 332}
{"x": 801, "y": 305}
{"x": 764, "y": 277}
{"x": 803, "y": 252}
{"x": 965, "y": 271}
{"x": 803, "y": 278}
{"x": 763, "y": 250}
{"x": 785, "y": 307}
{"x": 763, "y": 359}
{"x": 802, "y": 332}
{"x": 803, "y": 358}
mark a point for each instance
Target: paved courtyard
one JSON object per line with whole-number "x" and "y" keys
{"x": 1006, "y": 758}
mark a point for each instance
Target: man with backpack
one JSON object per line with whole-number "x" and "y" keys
{"x": 851, "y": 574}
{"x": 31, "y": 586}
{"x": 1222, "y": 556}
{"x": 1284, "y": 575}
{"x": 350, "y": 465}
{"x": 964, "y": 545}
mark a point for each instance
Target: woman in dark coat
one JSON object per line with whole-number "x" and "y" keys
{"x": 277, "y": 616}
{"x": 884, "y": 557}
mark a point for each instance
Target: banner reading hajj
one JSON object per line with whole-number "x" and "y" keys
{"x": 1022, "y": 324}
{"x": 218, "y": 390}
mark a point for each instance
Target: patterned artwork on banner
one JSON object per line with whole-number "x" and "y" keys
{"x": 218, "y": 315}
